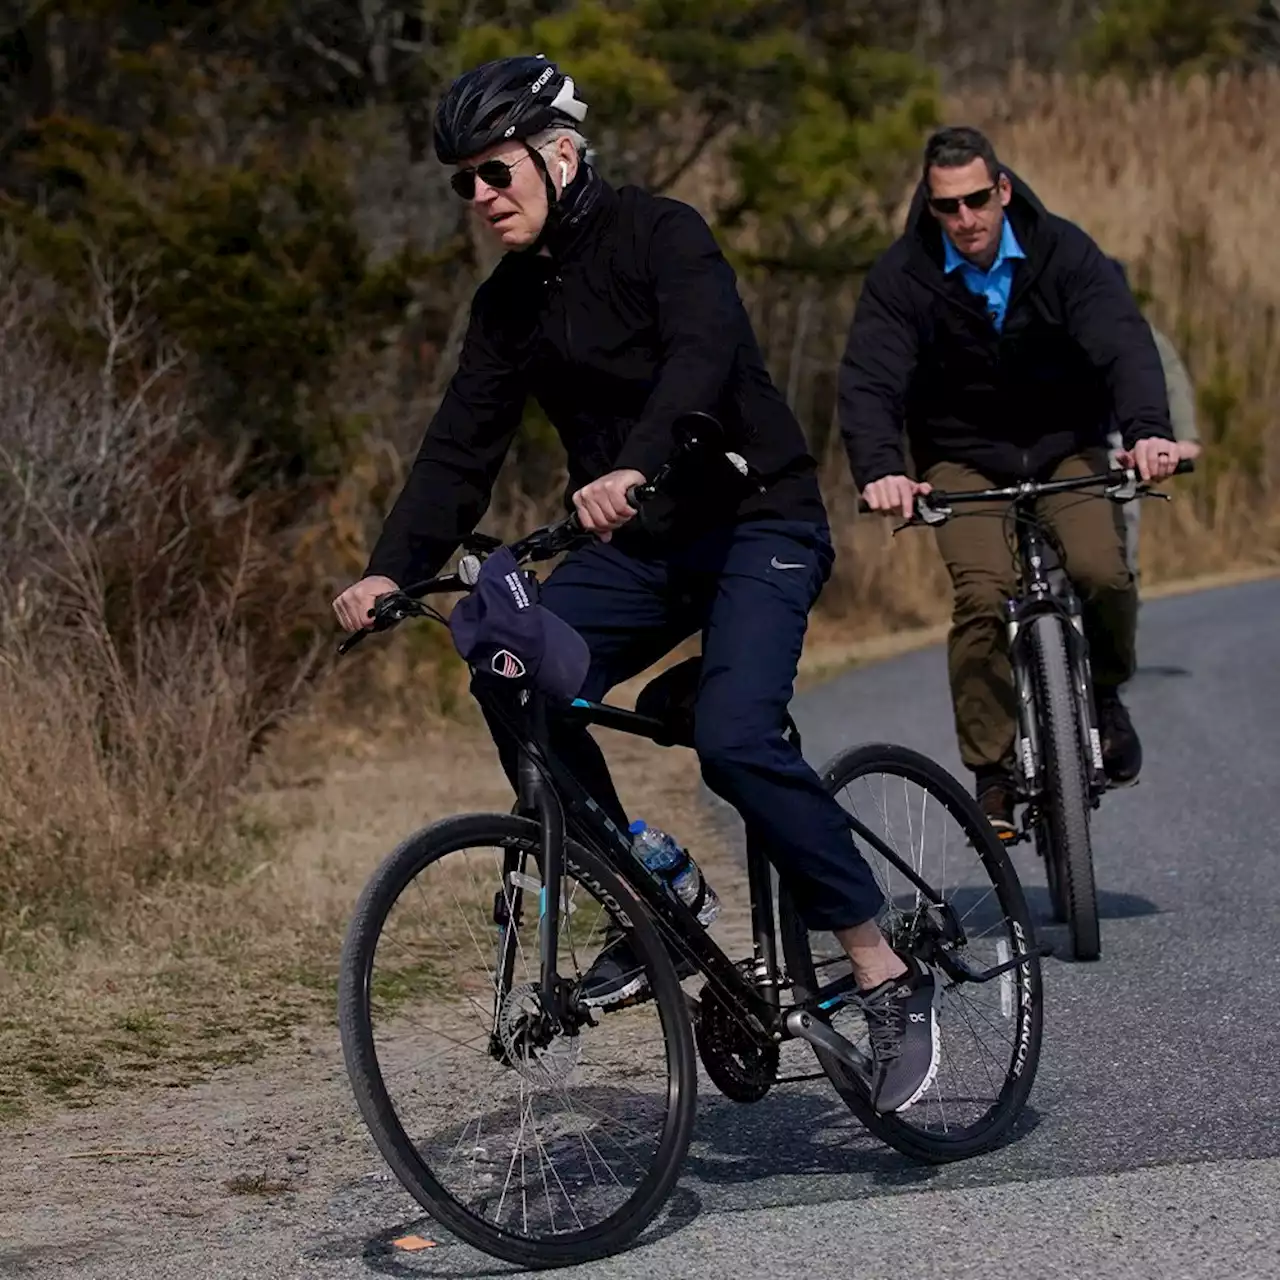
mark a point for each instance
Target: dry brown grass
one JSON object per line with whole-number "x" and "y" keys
{"x": 1178, "y": 180}
{"x": 204, "y": 974}
{"x": 116, "y": 777}
{"x": 1138, "y": 167}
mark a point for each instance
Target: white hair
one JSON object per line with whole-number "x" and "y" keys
{"x": 548, "y": 137}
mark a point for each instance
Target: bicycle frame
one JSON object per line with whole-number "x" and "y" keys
{"x": 550, "y": 793}
{"x": 1037, "y": 597}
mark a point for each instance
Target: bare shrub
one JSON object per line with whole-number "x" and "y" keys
{"x": 133, "y": 585}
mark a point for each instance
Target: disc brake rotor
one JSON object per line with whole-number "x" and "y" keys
{"x": 542, "y": 1058}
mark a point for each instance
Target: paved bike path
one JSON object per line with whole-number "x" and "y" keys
{"x": 1152, "y": 1141}
{"x": 1151, "y": 1146}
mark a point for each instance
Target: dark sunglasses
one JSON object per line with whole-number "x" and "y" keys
{"x": 493, "y": 173}
{"x": 951, "y": 204}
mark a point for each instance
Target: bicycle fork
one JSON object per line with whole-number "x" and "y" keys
{"x": 533, "y": 800}
{"x": 1028, "y": 731}
{"x": 1082, "y": 679}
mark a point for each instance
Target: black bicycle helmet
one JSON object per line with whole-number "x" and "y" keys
{"x": 505, "y": 99}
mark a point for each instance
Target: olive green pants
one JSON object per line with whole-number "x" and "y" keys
{"x": 980, "y": 557}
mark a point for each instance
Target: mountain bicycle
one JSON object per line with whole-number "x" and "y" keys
{"x": 462, "y": 967}
{"x": 1058, "y": 748}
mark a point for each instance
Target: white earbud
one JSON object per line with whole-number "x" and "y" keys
{"x": 564, "y": 174}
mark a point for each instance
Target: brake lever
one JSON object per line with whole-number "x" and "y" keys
{"x": 388, "y": 611}
{"x": 1125, "y": 492}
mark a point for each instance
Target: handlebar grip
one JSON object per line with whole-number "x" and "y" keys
{"x": 638, "y": 494}
{"x": 863, "y": 508}
{"x": 1184, "y": 468}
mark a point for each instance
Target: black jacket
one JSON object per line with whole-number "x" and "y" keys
{"x": 923, "y": 353}
{"x": 633, "y": 319}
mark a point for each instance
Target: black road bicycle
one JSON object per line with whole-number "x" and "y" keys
{"x": 548, "y": 1133}
{"x": 1058, "y": 748}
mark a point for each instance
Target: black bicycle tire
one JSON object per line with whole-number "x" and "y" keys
{"x": 359, "y": 1051}
{"x": 1059, "y": 906}
{"x": 842, "y": 769}
{"x": 1066, "y": 791}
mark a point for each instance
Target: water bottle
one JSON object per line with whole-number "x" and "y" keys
{"x": 667, "y": 860}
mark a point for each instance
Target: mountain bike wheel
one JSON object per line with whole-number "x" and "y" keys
{"x": 989, "y": 1032}
{"x": 1062, "y": 833}
{"x": 541, "y": 1146}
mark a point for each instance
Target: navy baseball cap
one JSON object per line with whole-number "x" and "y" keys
{"x": 501, "y": 630}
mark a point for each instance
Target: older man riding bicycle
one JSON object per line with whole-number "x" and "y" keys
{"x": 616, "y": 310}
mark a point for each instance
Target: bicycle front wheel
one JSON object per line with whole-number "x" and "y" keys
{"x": 989, "y": 1033}
{"x": 1062, "y": 832}
{"x": 539, "y": 1144}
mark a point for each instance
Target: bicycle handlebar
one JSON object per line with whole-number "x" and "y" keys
{"x": 695, "y": 432}
{"x": 937, "y": 504}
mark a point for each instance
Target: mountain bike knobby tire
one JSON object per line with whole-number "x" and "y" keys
{"x": 389, "y": 881}
{"x": 1062, "y": 835}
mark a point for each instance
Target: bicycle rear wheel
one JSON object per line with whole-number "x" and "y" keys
{"x": 989, "y": 1032}
{"x": 541, "y": 1145}
{"x": 1062, "y": 832}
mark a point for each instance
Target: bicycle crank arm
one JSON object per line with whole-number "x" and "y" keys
{"x": 804, "y": 1026}
{"x": 959, "y": 969}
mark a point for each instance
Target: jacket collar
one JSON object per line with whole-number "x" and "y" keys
{"x": 584, "y": 205}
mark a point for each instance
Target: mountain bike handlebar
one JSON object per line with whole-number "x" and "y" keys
{"x": 695, "y": 433}
{"x": 1122, "y": 484}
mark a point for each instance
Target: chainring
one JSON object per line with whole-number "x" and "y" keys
{"x": 742, "y": 1069}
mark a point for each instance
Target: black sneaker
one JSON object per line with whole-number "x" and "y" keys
{"x": 1121, "y": 748}
{"x": 903, "y": 1026}
{"x": 996, "y": 798}
{"x": 616, "y": 978}
{"x": 615, "y": 975}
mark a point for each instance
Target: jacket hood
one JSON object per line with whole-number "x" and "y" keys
{"x": 1024, "y": 210}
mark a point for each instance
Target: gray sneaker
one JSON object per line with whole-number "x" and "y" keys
{"x": 903, "y": 1026}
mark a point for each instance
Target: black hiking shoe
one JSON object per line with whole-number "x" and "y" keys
{"x": 903, "y": 1027}
{"x": 616, "y": 978}
{"x": 1121, "y": 748}
{"x": 996, "y": 798}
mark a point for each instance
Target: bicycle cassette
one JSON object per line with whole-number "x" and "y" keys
{"x": 741, "y": 1068}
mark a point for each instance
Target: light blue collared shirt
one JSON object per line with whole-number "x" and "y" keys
{"x": 995, "y": 284}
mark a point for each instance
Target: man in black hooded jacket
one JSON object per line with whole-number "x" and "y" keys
{"x": 617, "y": 312}
{"x": 1003, "y": 341}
